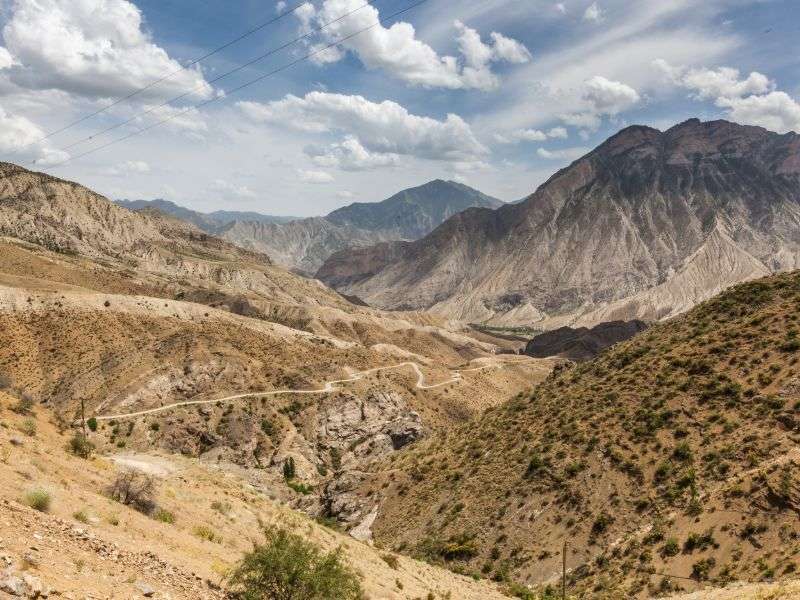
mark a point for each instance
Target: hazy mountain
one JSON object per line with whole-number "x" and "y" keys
{"x": 208, "y": 222}
{"x": 305, "y": 244}
{"x": 415, "y": 212}
{"x": 645, "y": 226}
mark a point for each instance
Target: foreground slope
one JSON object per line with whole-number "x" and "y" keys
{"x": 673, "y": 453}
{"x": 85, "y": 545}
{"x": 645, "y": 226}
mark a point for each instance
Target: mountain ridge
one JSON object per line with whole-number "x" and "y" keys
{"x": 611, "y": 227}
{"x": 303, "y": 244}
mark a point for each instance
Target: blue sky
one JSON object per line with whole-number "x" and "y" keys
{"x": 497, "y": 94}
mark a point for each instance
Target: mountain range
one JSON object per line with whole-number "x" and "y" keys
{"x": 305, "y": 244}
{"x": 643, "y": 227}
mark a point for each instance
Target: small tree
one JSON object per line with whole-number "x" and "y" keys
{"x": 134, "y": 488}
{"x": 286, "y": 567}
{"x": 289, "y": 471}
{"x": 80, "y": 446}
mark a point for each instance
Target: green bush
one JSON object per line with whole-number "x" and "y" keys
{"x": 79, "y": 445}
{"x": 164, "y": 516}
{"x": 24, "y": 405}
{"x": 289, "y": 470}
{"x": 38, "y": 499}
{"x": 28, "y": 427}
{"x": 91, "y": 423}
{"x": 287, "y": 567}
{"x": 206, "y": 533}
{"x": 671, "y": 547}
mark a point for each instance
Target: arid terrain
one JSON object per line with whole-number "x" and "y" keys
{"x": 209, "y": 367}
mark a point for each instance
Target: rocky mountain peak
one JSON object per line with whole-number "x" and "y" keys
{"x": 629, "y": 231}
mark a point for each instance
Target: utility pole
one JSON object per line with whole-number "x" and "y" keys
{"x": 83, "y": 418}
{"x": 564, "y": 571}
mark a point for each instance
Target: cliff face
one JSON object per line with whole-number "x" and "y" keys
{"x": 645, "y": 226}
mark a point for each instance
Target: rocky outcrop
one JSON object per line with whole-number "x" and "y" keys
{"x": 352, "y": 432}
{"x": 582, "y": 344}
{"x": 643, "y": 227}
{"x": 357, "y": 429}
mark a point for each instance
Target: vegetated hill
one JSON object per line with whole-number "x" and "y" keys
{"x": 305, "y": 244}
{"x": 415, "y": 212}
{"x": 675, "y": 452}
{"x": 582, "y": 343}
{"x": 645, "y": 226}
{"x": 211, "y": 222}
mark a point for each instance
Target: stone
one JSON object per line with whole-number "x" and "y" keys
{"x": 146, "y": 590}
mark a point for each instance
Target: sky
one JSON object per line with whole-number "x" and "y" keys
{"x": 354, "y": 102}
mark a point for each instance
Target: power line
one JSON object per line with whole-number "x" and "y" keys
{"x": 243, "y": 86}
{"x": 188, "y": 65}
{"x": 216, "y": 79}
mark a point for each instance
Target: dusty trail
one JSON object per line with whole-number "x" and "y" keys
{"x": 329, "y": 387}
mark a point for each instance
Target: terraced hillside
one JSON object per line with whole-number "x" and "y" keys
{"x": 669, "y": 462}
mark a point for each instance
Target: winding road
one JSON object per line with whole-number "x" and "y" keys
{"x": 330, "y": 387}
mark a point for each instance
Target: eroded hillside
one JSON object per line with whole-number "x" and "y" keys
{"x": 673, "y": 454}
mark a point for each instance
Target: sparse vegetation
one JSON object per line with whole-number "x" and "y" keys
{"x": 164, "y": 516}
{"x": 38, "y": 499}
{"x": 80, "y": 446}
{"x": 204, "y": 532}
{"x": 134, "y": 488}
{"x": 287, "y": 567}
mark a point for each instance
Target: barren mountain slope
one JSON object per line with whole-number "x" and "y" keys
{"x": 305, "y": 244}
{"x": 674, "y": 453}
{"x": 80, "y": 238}
{"x": 645, "y": 226}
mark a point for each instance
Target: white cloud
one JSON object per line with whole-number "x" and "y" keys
{"x": 397, "y": 50}
{"x": 750, "y": 101}
{"x": 187, "y": 120}
{"x": 6, "y": 60}
{"x": 384, "y": 127}
{"x": 722, "y": 82}
{"x": 91, "y": 48}
{"x": 23, "y": 140}
{"x": 315, "y": 177}
{"x": 345, "y": 195}
{"x": 128, "y": 168}
{"x": 594, "y": 13}
{"x": 280, "y": 6}
{"x": 564, "y": 154}
{"x": 530, "y": 135}
{"x": 229, "y": 189}
{"x": 602, "y": 97}
{"x": 560, "y": 7}
{"x": 776, "y": 111}
{"x": 350, "y": 155}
